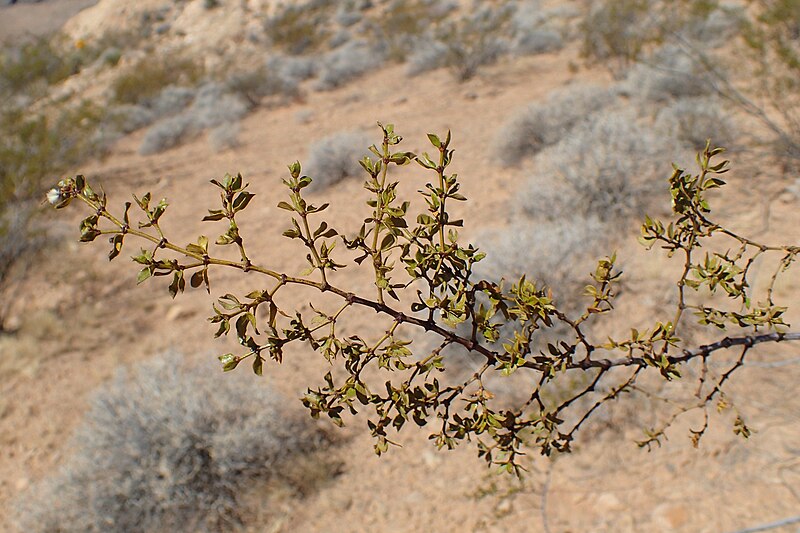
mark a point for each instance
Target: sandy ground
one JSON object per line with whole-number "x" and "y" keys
{"x": 81, "y": 318}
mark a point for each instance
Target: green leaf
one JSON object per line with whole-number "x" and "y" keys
{"x": 295, "y": 169}
{"x": 241, "y": 201}
{"x": 197, "y": 278}
{"x": 214, "y": 214}
{"x": 229, "y": 361}
{"x": 258, "y": 365}
{"x": 178, "y": 283}
{"x": 116, "y": 246}
{"x": 143, "y": 275}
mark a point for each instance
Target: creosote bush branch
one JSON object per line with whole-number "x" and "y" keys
{"x": 419, "y": 258}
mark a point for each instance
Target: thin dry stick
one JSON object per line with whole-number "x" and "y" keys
{"x": 545, "y": 491}
{"x": 770, "y": 525}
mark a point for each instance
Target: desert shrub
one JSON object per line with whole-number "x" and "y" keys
{"x": 126, "y": 118}
{"x": 172, "y": 448}
{"x": 166, "y": 134}
{"x": 620, "y": 32}
{"x": 34, "y": 147}
{"x": 256, "y": 84}
{"x": 401, "y": 24}
{"x": 539, "y": 125}
{"x": 531, "y": 31}
{"x": 300, "y": 28}
{"x": 20, "y": 240}
{"x": 426, "y": 56}
{"x": 304, "y": 116}
{"x": 16, "y": 239}
{"x": 695, "y": 120}
{"x": 151, "y": 74}
{"x": 171, "y": 100}
{"x": 335, "y": 157}
{"x": 33, "y": 65}
{"x": 547, "y": 251}
{"x": 224, "y": 136}
{"x": 475, "y": 40}
{"x": 30, "y": 65}
{"x": 212, "y": 107}
{"x": 339, "y": 38}
{"x": 616, "y": 31}
{"x": 607, "y": 167}
{"x": 349, "y": 13}
{"x": 293, "y": 69}
{"x": 347, "y": 63}
{"x": 771, "y": 35}
{"x": 669, "y": 73}
{"x": 111, "y": 56}
{"x": 712, "y": 24}
{"x": 538, "y": 41}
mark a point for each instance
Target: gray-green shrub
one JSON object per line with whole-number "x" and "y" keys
{"x": 695, "y": 120}
{"x": 607, "y": 167}
{"x": 550, "y": 252}
{"x": 530, "y": 130}
{"x": 224, "y": 136}
{"x": 616, "y": 31}
{"x": 347, "y": 63}
{"x": 213, "y": 106}
{"x": 335, "y": 157}
{"x": 172, "y": 448}
{"x": 300, "y": 28}
{"x": 475, "y": 40}
{"x": 255, "y": 84}
{"x": 667, "y": 74}
{"x": 146, "y": 78}
{"x": 166, "y": 134}
{"x": 537, "y": 41}
{"x": 533, "y": 29}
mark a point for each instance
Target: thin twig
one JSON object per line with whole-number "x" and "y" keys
{"x": 545, "y": 491}
{"x": 770, "y": 525}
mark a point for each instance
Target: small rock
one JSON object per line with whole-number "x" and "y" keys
{"x": 669, "y": 516}
{"x": 22, "y": 483}
{"x": 608, "y": 502}
{"x": 430, "y": 459}
{"x": 504, "y": 507}
{"x": 177, "y": 312}
{"x": 12, "y": 323}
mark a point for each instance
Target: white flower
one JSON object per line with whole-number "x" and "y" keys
{"x": 54, "y": 196}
